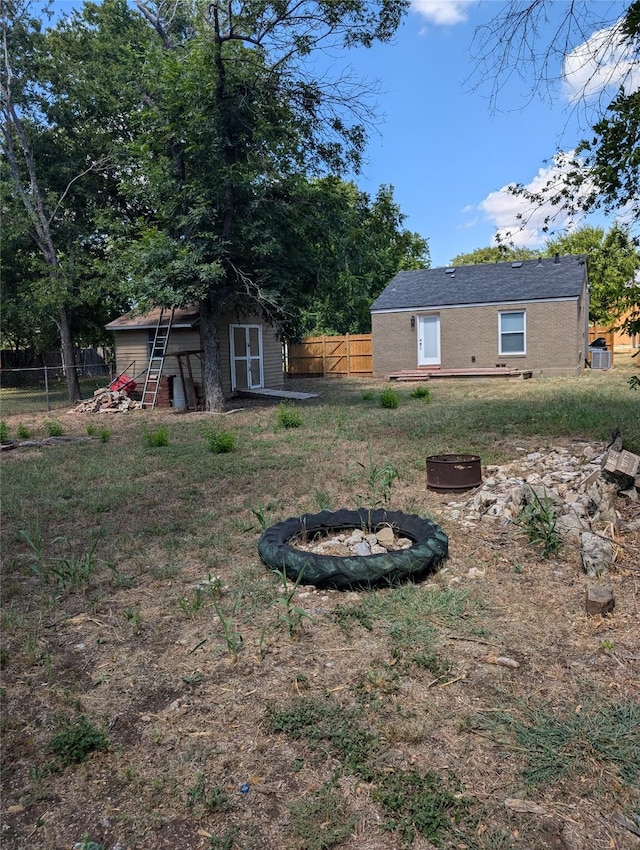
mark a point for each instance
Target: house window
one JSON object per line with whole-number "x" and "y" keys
{"x": 512, "y": 328}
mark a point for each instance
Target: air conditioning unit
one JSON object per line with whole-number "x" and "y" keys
{"x": 600, "y": 358}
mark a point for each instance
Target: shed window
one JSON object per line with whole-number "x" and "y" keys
{"x": 512, "y": 327}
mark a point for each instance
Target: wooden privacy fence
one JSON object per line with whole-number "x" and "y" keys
{"x": 328, "y": 356}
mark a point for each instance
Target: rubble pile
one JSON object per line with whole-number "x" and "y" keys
{"x": 108, "y": 401}
{"x": 580, "y": 486}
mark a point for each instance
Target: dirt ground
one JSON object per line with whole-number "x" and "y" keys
{"x": 184, "y": 713}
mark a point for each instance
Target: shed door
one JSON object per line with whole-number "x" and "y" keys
{"x": 429, "y": 341}
{"x": 247, "y": 367}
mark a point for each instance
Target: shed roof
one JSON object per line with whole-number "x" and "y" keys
{"x": 485, "y": 283}
{"x": 185, "y": 317}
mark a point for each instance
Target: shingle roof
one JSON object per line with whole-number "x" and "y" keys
{"x": 485, "y": 283}
{"x": 183, "y": 318}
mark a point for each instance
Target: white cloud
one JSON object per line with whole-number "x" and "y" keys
{"x": 604, "y": 60}
{"x": 520, "y": 220}
{"x": 442, "y": 12}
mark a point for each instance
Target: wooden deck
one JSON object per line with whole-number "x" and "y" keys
{"x": 427, "y": 373}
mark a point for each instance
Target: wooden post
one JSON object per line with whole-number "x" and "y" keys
{"x": 324, "y": 356}
{"x": 348, "y": 356}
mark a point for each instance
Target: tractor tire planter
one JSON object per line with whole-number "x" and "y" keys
{"x": 429, "y": 549}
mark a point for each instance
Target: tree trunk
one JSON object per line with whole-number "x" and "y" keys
{"x": 212, "y": 366}
{"x": 68, "y": 356}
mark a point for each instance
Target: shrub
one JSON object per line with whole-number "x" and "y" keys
{"x": 389, "y": 399}
{"x": 367, "y": 395}
{"x": 4, "y": 432}
{"x": 421, "y": 392}
{"x": 158, "y": 438}
{"x": 221, "y": 442}
{"x": 54, "y": 428}
{"x": 288, "y": 416}
{"x": 105, "y": 435}
{"x": 23, "y": 432}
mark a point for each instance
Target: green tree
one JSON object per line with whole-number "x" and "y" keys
{"x": 234, "y": 125}
{"x": 59, "y": 144}
{"x": 494, "y": 254}
{"x": 359, "y": 244}
{"x": 613, "y": 263}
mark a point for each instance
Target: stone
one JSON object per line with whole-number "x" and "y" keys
{"x": 600, "y": 600}
{"x": 597, "y": 554}
{"x": 385, "y": 536}
{"x": 363, "y": 548}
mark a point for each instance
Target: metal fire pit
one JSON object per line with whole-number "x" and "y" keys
{"x": 453, "y": 472}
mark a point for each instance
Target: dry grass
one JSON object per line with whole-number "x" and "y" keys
{"x": 184, "y": 674}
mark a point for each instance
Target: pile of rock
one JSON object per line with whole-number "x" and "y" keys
{"x": 573, "y": 484}
{"x": 356, "y": 542}
{"x": 108, "y": 401}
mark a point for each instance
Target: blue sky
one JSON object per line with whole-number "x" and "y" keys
{"x": 444, "y": 148}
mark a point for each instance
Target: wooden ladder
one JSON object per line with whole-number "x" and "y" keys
{"x": 156, "y": 358}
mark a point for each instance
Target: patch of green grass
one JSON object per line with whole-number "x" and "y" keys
{"x": 590, "y": 740}
{"x": 367, "y": 395}
{"x": 389, "y": 399}
{"x": 4, "y": 432}
{"x": 158, "y": 438}
{"x": 105, "y": 435}
{"x": 76, "y": 740}
{"x": 320, "y": 821}
{"x": 23, "y": 432}
{"x": 288, "y": 416}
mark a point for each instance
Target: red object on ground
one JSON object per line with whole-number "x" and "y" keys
{"x": 123, "y": 384}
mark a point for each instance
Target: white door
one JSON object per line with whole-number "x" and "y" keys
{"x": 429, "y": 341}
{"x": 247, "y": 368}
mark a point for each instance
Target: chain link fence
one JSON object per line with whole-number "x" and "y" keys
{"x": 44, "y": 388}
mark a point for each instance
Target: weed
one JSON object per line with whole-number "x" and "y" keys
{"x": 259, "y": 514}
{"x": 288, "y": 416}
{"x": 345, "y": 617}
{"x": 158, "y": 438}
{"x": 212, "y": 799}
{"x": 537, "y": 518}
{"x": 23, "y": 432}
{"x": 224, "y": 842}
{"x": 433, "y": 662}
{"x": 105, "y": 435}
{"x": 419, "y": 803}
{"x": 133, "y": 616}
{"x": 87, "y": 844}
{"x": 74, "y": 571}
{"x": 190, "y": 606}
{"x": 4, "y": 432}
{"x": 319, "y": 821}
{"x": 421, "y": 392}
{"x": 221, "y": 442}
{"x": 292, "y": 615}
{"x": 389, "y": 399}
{"x": 54, "y": 428}
{"x": 323, "y": 500}
{"x": 366, "y": 395}
{"x": 379, "y": 481}
{"x": 232, "y": 638}
{"x": 77, "y": 740}
{"x": 91, "y": 429}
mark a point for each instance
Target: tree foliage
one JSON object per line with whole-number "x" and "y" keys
{"x": 494, "y": 254}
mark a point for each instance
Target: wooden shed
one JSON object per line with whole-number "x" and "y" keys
{"x": 250, "y": 349}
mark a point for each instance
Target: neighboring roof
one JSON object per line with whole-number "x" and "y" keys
{"x": 185, "y": 317}
{"x": 485, "y": 283}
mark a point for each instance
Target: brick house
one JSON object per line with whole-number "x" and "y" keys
{"x": 530, "y": 315}
{"x": 250, "y": 349}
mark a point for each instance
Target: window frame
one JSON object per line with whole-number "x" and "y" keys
{"x": 505, "y": 333}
